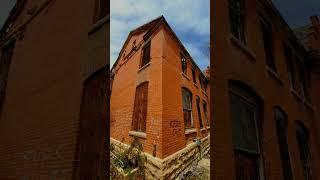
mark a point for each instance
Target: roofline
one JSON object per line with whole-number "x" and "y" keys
{"x": 132, "y": 32}
{"x": 151, "y": 31}
{"x": 283, "y": 22}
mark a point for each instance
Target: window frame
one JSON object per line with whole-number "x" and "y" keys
{"x": 136, "y": 124}
{"x": 268, "y": 43}
{"x": 199, "y": 112}
{"x": 238, "y": 14}
{"x": 99, "y": 10}
{"x": 282, "y": 137}
{"x": 184, "y": 64}
{"x": 144, "y": 62}
{"x": 186, "y": 90}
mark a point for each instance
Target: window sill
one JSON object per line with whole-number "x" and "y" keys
{"x": 99, "y": 24}
{"x": 243, "y": 48}
{"x": 208, "y": 127}
{"x": 144, "y": 67}
{"x": 190, "y": 131}
{"x": 274, "y": 75}
{"x": 184, "y": 75}
{"x": 138, "y": 134}
{"x": 202, "y": 129}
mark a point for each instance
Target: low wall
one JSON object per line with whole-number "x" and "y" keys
{"x": 173, "y": 166}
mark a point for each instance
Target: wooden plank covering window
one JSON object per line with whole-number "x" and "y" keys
{"x": 91, "y": 154}
{"x": 5, "y": 61}
{"x": 140, "y": 108}
{"x": 145, "y": 55}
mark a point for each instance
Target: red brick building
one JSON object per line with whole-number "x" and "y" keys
{"x": 159, "y": 95}
{"x": 53, "y": 100}
{"x": 264, "y": 121}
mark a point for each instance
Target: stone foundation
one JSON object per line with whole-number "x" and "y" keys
{"x": 173, "y": 166}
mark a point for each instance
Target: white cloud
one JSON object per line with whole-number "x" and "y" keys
{"x": 184, "y": 16}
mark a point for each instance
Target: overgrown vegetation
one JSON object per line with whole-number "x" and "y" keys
{"x": 130, "y": 159}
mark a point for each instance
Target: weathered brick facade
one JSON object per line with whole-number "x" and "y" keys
{"x": 238, "y": 62}
{"x": 60, "y": 57}
{"x": 165, "y": 131}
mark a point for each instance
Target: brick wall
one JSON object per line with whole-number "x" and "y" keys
{"x": 40, "y": 116}
{"x": 246, "y": 63}
{"x": 165, "y": 132}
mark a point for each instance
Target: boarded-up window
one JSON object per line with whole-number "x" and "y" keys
{"x": 303, "y": 143}
{"x": 199, "y": 112}
{"x": 92, "y": 135}
{"x": 145, "y": 55}
{"x": 140, "y": 108}
{"x": 281, "y": 129}
{"x": 101, "y": 9}
{"x": 5, "y": 62}
{"x": 187, "y": 108}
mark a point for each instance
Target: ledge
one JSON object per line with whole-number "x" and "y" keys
{"x": 138, "y": 134}
{"x": 295, "y": 93}
{"x": 190, "y": 131}
{"x": 144, "y": 67}
{"x": 243, "y": 48}
{"x": 184, "y": 75}
{"x": 274, "y": 75}
{"x": 99, "y": 24}
{"x": 202, "y": 129}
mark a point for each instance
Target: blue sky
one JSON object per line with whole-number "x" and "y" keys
{"x": 189, "y": 19}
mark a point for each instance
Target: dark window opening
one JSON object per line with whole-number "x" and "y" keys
{"x": 303, "y": 143}
{"x": 201, "y": 82}
{"x": 303, "y": 80}
{"x": 290, "y": 67}
{"x": 206, "y": 113}
{"x": 140, "y": 108}
{"x": 199, "y": 113}
{"x": 194, "y": 75}
{"x": 145, "y": 55}
{"x": 187, "y": 108}
{"x": 184, "y": 64}
{"x": 266, "y": 29}
{"x": 281, "y": 129}
{"x": 236, "y": 14}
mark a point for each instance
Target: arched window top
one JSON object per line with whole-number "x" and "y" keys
{"x": 280, "y": 115}
{"x": 241, "y": 89}
{"x": 143, "y": 83}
